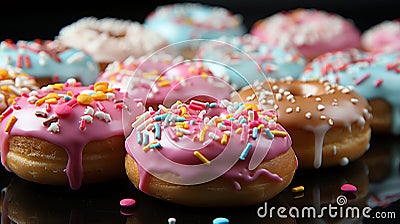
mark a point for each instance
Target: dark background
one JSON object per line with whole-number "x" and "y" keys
{"x": 31, "y": 20}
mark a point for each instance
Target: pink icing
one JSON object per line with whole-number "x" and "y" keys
{"x": 180, "y": 135}
{"x": 166, "y": 87}
{"x": 312, "y": 31}
{"x": 383, "y": 37}
{"x": 73, "y": 133}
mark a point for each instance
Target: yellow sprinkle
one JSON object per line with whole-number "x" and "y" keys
{"x": 250, "y": 106}
{"x": 70, "y": 93}
{"x": 84, "y": 99}
{"x": 260, "y": 126}
{"x": 179, "y": 134}
{"x": 100, "y": 86}
{"x": 52, "y": 95}
{"x": 110, "y": 90}
{"x": 164, "y": 83}
{"x": 5, "y": 89}
{"x": 51, "y": 101}
{"x": 11, "y": 99}
{"x": 277, "y": 133}
{"x": 183, "y": 110}
{"x": 57, "y": 86}
{"x": 10, "y": 124}
{"x": 238, "y": 131}
{"x": 202, "y": 134}
{"x": 201, "y": 157}
{"x": 224, "y": 139}
{"x": 147, "y": 147}
{"x": 113, "y": 79}
{"x": 39, "y": 101}
{"x": 228, "y": 116}
{"x": 194, "y": 138}
{"x": 204, "y": 75}
{"x": 3, "y": 73}
{"x": 297, "y": 189}
{"x": 191, "y": 70}
{"x": 207, "y": 127}
{"x": 99, "y": 96}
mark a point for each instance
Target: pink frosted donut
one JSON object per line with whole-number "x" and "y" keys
{"x": 65, "y": 134}
{"x": 119, "y": 73}
{"x": 164, "y": 79}
{"x": 383, "y": 37}
{"x": 110, "y": 39}
{"x": 312, "y": 31}
{"x": 210, "y": 154}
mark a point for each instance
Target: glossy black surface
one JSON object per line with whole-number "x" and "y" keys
{"x": 376, "y": 175}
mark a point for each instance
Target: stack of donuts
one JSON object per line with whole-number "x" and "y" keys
{"x": 191, "y": 107}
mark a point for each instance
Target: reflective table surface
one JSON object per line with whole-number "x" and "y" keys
{"x": 376, "y": 176}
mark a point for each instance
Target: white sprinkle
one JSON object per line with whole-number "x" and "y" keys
{"x": 330, "y": 121}
{"x": 308, "y": 115}
{"x": 318, "y": 99}
{"x": 323, "y": 117}
{"x": 54, "y": 127}
{"x": 278, "y": 96}
{"x": 320, "y": 107}
{"x": 354, "y": 100}
{"x": 289, "y": 110}
{"x": 344, "y": 161}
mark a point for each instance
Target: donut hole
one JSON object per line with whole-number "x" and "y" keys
{"x": 305, "y": 89}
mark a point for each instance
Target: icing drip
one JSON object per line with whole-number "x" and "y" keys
{"x": 319, "y": 136}
{"x": 68, "y": 107}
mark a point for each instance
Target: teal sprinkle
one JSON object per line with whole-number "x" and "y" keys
{"x": 160, "y": 117}
{"x": 245, "y": 151}
{"x": 255, "y": 132}
{"x": 180, "y": 119}
{"x": 155, "y": 145}
{"x": 213, "y": 105}
{"x": 269, "y": 134}
{"x": 221, "y": 221}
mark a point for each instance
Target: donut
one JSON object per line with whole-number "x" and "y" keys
{"x": 211, "y": 154}
{"x": 119, "y": 73}
{"x": 247, "y": 54}
{"x": 13, "y": 84}
{"x": 48, "y": 61}
{"x": 383, "y": 37}
{"x": 110, "y": 39}
{"x": 65, "y": 134}
{"x": 312, "y": 31}
{"x": 183, "y": 80}
{"x": 184, "y": 21}
{"x": 329, "y": 124}
{"x": 373, "y": 76}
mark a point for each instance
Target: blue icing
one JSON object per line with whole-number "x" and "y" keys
{"x": 73, "y": 63}
{"x": 355, "y": 72}
{"x": 185, "y": 21}
{"x": 246, "y": 55}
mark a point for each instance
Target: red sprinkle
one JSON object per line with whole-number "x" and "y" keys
{"x": 378, "y": 82}
{"x": 348, "y": 188}
{"x": 63, "y": 110}
{"x": 127, "y": 202}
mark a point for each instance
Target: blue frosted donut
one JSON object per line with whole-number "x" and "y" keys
{"x": 374, "y": 76}
{"x": 251, "y": 60}
{"x": 48, "y": 59}
{"x": 183, "y": 21}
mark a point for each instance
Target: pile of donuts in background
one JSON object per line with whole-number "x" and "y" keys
{"x": 109, "y": 98}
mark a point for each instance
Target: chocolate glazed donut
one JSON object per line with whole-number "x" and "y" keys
{"x": 329, "y": 123}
